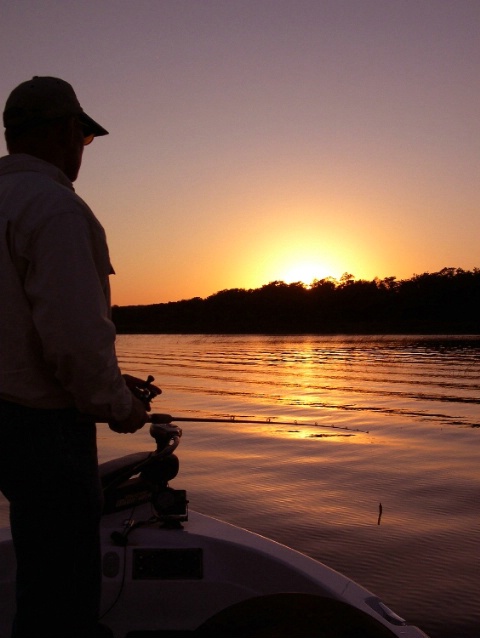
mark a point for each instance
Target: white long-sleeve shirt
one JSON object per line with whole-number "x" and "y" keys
{"x": 57, "y": 340}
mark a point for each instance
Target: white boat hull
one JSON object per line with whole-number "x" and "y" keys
{"x": 179, "y": 579}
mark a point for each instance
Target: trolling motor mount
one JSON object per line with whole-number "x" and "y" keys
{"x": 170, "y": 505}
{"x": 144, "y": 478}
{"x": 165, "y": 434}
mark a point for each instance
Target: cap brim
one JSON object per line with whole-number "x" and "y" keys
{"x": 95, "y": 128}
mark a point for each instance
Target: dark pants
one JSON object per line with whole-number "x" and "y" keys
{"x": 49, "y": 473}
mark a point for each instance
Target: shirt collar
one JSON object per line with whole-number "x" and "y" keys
{"x": 22, "y": 162}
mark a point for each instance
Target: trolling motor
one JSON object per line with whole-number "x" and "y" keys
{"x": 144, "y": 477}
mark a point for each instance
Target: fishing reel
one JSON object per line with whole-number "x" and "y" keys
{"x": 143, "y": 390}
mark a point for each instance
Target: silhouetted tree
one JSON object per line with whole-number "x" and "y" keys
{"x": 445, "y": 302}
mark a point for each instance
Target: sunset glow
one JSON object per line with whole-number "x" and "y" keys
{"x": 251, "y": 142}
{"x": 304, "y": 271}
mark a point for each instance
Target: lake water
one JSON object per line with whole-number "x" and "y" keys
{"x": 348, "y": 423}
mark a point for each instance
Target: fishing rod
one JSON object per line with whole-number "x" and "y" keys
{"x": 166, "y": 419}
{"x": 146, "y": 392}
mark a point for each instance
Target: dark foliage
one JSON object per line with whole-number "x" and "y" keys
{"x": 445, "y": 302}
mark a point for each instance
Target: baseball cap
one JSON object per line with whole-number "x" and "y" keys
{"x": 46, "y": 98}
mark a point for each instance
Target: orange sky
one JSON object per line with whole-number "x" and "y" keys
{"x": 261, "y": 140}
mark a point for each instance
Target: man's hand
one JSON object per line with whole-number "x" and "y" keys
{"x": 135, "y": 420}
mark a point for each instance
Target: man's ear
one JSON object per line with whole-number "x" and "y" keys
{"x": 61, "y": 132}
{"x": 67, "y": 129}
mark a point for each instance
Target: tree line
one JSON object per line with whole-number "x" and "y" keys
{"x": 444, "y": 302}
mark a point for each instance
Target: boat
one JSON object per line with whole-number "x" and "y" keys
{"x": 169, "y": 571}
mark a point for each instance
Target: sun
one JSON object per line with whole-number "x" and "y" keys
{"x": 294, "y": 261}
{"x": 304, "y": 271}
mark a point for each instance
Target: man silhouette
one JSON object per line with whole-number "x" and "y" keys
{"x": 58, "y": 368}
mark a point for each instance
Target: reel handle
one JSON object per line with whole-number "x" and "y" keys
{"x": 145, "y": 391}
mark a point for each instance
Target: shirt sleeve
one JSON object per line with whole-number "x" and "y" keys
{"x": 67, "y": 286}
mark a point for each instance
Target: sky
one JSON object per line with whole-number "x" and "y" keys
{"x": 261, "y": 140}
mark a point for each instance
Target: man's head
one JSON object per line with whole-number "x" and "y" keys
{"x": 43, "y": 117}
